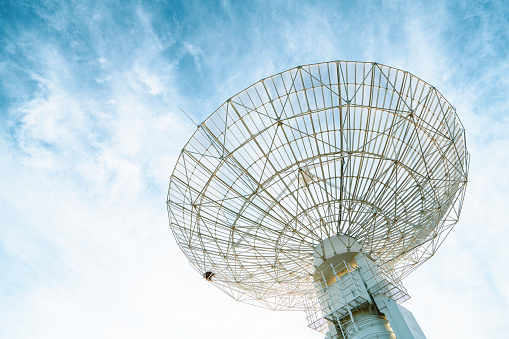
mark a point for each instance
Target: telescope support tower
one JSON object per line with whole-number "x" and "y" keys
{"x": 358, "y": 298}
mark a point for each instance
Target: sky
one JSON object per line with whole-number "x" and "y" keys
{"x": 91, "y": 127}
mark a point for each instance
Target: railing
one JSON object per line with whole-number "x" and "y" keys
{"x": 349, "y": 288}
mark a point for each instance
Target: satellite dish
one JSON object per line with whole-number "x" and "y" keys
{"x": 315, "y": 175}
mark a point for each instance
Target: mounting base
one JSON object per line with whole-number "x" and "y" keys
{"x": 357, "y": 297}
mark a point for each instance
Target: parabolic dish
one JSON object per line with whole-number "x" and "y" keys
{"x": 352, "y": 148}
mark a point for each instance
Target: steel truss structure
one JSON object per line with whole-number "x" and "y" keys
{"x": 351, "y": 148}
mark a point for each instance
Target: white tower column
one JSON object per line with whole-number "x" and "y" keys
{"x": 355, "y": 296}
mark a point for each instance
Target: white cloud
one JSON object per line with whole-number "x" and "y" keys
{"x": 87, "y": 162}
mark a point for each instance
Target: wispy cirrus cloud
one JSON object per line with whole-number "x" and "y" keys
{"x": 90, "y": 95}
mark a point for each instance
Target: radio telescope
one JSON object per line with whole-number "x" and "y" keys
{"x": 320, "y": 188}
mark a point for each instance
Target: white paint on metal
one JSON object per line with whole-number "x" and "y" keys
{"x": 358, "y": 298}
{"x": 401, "y": 319}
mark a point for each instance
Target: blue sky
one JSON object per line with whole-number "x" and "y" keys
{"x": 91, "y": 128}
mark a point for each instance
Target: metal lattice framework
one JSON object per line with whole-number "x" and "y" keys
{"x": 352, "y": 148}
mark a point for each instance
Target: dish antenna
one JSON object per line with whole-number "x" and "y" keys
{"x": 321, "y": 188}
